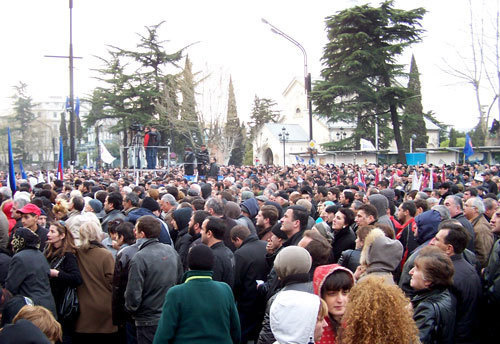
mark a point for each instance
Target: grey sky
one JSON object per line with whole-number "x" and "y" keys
{"x": 232, "y": 41}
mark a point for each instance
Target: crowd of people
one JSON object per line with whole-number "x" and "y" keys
{"x": 256, "y": 254}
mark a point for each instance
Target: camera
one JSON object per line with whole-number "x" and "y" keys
{"x": 136, "y": 127}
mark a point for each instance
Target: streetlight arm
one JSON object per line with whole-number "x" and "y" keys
{"x": 277, "y": 31}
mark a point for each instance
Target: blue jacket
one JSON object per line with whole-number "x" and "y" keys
{"x": 134, "y": 215}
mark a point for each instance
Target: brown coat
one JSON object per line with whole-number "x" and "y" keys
{"x": 96, "y": 266}
{"x": 483, "y": 239}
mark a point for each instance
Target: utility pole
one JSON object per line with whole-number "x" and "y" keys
{"x": 72, "y": 118}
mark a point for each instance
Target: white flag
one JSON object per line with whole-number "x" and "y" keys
{"x": 415, "y": 182}
{"x": 105, "y": 154}
{"x": 431, "y": 179}
{"x": 366, "y": 145}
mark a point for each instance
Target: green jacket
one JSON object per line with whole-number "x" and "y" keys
{"x": 199, "y": 311}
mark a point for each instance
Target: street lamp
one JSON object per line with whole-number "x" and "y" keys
{"x": 307, "y": 75}
{"x": 283, "y": 138}
{"x": 413, "y": 137}
{"x": 341, "y": 134}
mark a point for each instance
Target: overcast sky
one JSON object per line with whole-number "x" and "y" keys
{"x": 232, "y": 41}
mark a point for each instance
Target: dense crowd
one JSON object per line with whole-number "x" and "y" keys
{"x": 262, "y": 254}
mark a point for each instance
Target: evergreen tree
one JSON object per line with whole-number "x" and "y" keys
{"x": 232, "y": 129}
{"x": 188, "y": 127}
{"x": 22, "y": 118}
{"x": 453, "y": 138}
{"x": 412, "y": 122}
{"x": 63, "y": 133}
{"x": 359, "y": 78}
{"x": 262, "y": 113}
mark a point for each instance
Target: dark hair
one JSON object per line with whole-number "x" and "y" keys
{"x": 240, "y": 231}
{"x": 101, "y": 195}
{"x": 337, "y": 281}
{"x": 472, "y": 190}
{"x": 458, "y": 237}
{"x": 149, "y": 225}
{"x": 200, "y": 216}
{"x": 133, "y": 198}
{"x": 113, "y": 224}
{"x": 349, "y": 196}
{"x": 301, "y": 214}
{"x": 126, "y": 230}
{"x": 68, "y": 242}
{"x": 410, "y": 206}
{"x": 78, "y": 203}
{"x": 319, "y": 248}
{"x": 422, "y": 203}
{"x": 436, "y": 267}
{"x": 270, "y": 212}
{"x": 116, "y": 199}
{"x": 198, "y": 204}
{"x": 173, "y": 191}
{"x": 369, "y": 210}
{"x": 217, "y": 227}
{"x": 348, "y": 215}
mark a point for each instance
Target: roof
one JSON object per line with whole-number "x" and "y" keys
{"x": 297, "y": 133}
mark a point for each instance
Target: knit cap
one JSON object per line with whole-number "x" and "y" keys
{"x": 96, "y": 205}
{"x": 201, "y": 257}
{"x": 292, "y": 260}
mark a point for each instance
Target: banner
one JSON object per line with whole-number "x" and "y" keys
{"x": 60, "y": 165}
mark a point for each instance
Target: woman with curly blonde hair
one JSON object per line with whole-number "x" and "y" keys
{"x": 378, "y": 312}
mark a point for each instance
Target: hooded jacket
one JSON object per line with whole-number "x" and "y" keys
{"x": 293, "y": 317}
{"x": 382, "y": 204}
{"x": 427, "y": 225}
{"x": 251, "y": 207}
{"x": 320, "y": 275}
{"x": 134, "y": 215}
{"x": 183, "y": 240}
{"x": 381, "y": 255}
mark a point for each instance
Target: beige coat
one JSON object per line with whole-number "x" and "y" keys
{"x": 483, "y": 239}
{"x": 94, "y": 294}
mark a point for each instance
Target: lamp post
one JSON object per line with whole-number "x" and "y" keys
{"x": 284, "y": 138}
{"x": 307, "y": 75}
{"x": 413, "y": 137}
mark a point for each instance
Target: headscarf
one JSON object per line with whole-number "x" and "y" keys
{"x": 25, "y": 238}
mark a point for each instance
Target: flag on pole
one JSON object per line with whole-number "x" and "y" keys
{"x": 12, "y": 175}
{"x": 60, "y": 174}
{"x": 21, "y": 168}
{"x": 377, "y": 176}
{"x": 414, "y": 181}
{"x": 68, "y": 104}
{"x": 391, "y": 183}
{"x": 40, "y": 178}
{"x": 105, "y": 154}
{"x": 443, "y": 174}
{"x": 77, "y": 107}
{"x": 468, "y": 149}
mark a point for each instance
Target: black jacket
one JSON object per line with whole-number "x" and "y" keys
{"x": 250, "y": 266}
{"x": 434, "y": 314}
{"x": 29, "y": 276}
{"x": 69, "y": 276}
{"x": 467, "y": 291}
{"x": 468, "y": 226}
{"x": 189, "y": 163}
{"x": 224, "y": 264}
{"x": 120, "y": 279}
{"x": 350, "y": 259}
{"x": 344, "y": 239}
{"x": 182, "y": 243}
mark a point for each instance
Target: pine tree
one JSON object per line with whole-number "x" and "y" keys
{"x": 412, "y": 122}
{"x": 23, "y": 117}
{"x": 359, "y": 78}
{"x": 262, "y": 113}
{"x": 63, "y": 133}
{"x": 232, "y": 129}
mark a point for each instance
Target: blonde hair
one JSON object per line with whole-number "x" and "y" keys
{"x": 378, "y": 312}
{"x": 323, "y": 309}
{"x": 89, "y": 231}
{"x": 42, "y": 318}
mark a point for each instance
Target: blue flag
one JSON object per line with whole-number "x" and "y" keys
{"x": 77, "y": 106}
{"x": 60, "y": 164}
{"x": 68, "y": 104}
{"x": 468, "y": 149}
{"x": 23, "y": 174}
{"x": 12, "y": 175}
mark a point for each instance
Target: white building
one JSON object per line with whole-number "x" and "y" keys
{"x": 268, "y": 146}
